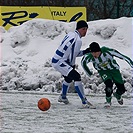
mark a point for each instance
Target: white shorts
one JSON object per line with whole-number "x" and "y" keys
{"x": 62, "y": 67}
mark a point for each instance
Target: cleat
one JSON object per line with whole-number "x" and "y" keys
{"x": 107, "y": 105}
{"x": 88, "y": 105}
{"x": 63, "y": 100}
{"x": 119, "y": 98}
{"x": 120, "y": 101}
{"x": 91, "y": 105}
{"x": 85, "y": 106}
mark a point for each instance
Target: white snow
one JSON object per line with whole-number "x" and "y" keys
{"x": 19, "y": 114}
{"x": 27, "y": 76}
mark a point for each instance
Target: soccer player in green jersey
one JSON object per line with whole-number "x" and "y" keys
{"x": 107, "y": 67}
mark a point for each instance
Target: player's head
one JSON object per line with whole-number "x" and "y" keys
{"x": 95, "y": 49}
{"x": 82, "y": 27}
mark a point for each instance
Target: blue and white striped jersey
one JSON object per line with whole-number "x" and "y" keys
{"x": 69, "y": 49}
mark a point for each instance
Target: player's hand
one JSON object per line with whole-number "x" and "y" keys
{"x": 86, "y": 51}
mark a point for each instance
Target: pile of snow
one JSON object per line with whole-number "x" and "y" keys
{"x": 26, "y": 53}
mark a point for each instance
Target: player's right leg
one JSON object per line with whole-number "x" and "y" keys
{"x": 62, "y": 97}
{"x": 64, "y": 69}
{"x": 108, "y": 91}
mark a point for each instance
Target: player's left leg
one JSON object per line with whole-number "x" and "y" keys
{"x": 117, "y": 78}
{"x": 118, "y": 94}
{"x": 79, "y": 88}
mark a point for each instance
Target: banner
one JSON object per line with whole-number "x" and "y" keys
{"x": 15, "y": 15}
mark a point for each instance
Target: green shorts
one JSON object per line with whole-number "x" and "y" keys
{"x": 114, "y": 75}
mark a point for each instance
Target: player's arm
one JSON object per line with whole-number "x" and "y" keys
{"x": 121, "y": 56}
{"x": 85, "y": 60}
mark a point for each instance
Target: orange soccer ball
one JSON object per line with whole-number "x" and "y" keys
{"x": 44, "y": 104}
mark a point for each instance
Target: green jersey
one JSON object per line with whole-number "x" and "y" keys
{"x": 105, "y": 61}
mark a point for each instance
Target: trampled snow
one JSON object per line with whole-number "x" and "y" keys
{"x": 19, "y": 114}
{"x": 26, "y": 53}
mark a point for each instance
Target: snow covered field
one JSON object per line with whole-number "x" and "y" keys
{"x": 27, "y": 76}
{"x": 19, "y": 114}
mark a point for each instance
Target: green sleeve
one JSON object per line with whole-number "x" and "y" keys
{"x": 85, "y": 60}
{"x": 117, "y": 54}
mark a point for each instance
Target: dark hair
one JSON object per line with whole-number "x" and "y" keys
{"x": 81, "y": 24}
{"x": 94, "y": 47}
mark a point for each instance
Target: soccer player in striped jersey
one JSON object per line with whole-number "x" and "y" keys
{"x": 107, "y": 67}
{"x": 64, "y": 62}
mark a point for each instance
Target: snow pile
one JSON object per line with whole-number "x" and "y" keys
{"x": 26, "y": 53}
